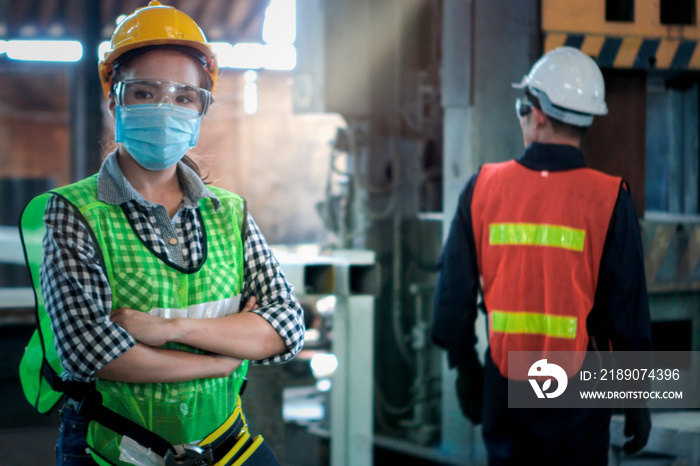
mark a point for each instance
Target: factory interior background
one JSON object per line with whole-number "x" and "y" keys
{"x": 351, "y": 127}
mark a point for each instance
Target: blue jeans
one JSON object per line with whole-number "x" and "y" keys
{"x": 72, "y": 445}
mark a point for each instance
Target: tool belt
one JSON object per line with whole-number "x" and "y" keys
{"x": 229, "y": 445}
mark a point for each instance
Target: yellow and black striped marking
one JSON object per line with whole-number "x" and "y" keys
{"x": 632, "y": 52}
{"x": 644, "y": 42}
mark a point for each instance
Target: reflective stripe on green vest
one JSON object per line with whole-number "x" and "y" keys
{"x": 179, "y": 412}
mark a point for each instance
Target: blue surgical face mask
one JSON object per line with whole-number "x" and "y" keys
{"x": 156, "y": 135}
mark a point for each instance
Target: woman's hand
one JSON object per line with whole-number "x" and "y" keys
{"x": 155, "y": 331}
{"x": 242, "y": 335}
{"x": 251, "y": 304}
{"x": 146, "y": 364}
{"x": 145, "y": 328}
{"x": 227, "y": 365}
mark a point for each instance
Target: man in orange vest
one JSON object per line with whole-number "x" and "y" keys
{"x": 554, "y": 249}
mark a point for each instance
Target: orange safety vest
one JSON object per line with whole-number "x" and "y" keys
{"x": 539, "y": 239}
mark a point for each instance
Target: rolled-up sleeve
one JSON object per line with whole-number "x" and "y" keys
{"x": 77, "y": 296}
{"x": 278, "y": 305}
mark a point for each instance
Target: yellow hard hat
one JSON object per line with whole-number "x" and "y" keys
{"x": 155, "y": 25}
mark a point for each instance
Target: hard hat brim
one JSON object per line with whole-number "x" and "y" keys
{"x": 522, "y": 84}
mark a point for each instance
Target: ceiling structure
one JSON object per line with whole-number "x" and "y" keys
{"x": 36, "y": 91}
{"x": 221, "y": 20}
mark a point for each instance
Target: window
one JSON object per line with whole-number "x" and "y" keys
{"x": 672, "y": 158}
{"x": 678, "y": 12}
{"x": 619, "y": 10}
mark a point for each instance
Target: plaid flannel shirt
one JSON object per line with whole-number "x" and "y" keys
{"x": 76, "y": 289}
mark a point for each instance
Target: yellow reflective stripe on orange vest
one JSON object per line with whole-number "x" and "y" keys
{"x": 534, "y": 234}
{"x": 533, "y": 323}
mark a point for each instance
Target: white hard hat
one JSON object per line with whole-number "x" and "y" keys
{"x": 568, "y": 84}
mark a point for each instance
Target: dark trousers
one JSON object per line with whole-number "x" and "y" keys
{"x": 71, "y": 446}
{"x": 542, "y": 436}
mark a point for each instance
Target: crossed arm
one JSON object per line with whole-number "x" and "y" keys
{"x": 90, "y": 344}
{"x": 230, "y": 339}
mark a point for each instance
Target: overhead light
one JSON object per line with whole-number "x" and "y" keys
{"x": 278, "y": 53}
{"x": 250, "y": 92}
{"x": 45, "y": 50}
{"x": 247, "y": 55}
{"x": 103, "y": 48}
{"x": 252, "y": 56}
{"x": 279, "y": 33}
{"x": 280, "y": 57}
{"x": 280, "y": 25}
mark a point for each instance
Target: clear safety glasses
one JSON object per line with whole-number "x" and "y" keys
{"x": 150, "y": 91}
{"x": 523, "y": 106}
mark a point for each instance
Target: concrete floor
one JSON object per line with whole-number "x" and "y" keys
{"x": 28, "y": 446}
{"x": 22, "y": 444}
{"x": 26, "y": 437}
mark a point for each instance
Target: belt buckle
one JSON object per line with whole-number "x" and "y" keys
{"x": 192, "y": 456}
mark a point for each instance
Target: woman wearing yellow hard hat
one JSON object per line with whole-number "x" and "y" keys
{"x": 160, "y": 288}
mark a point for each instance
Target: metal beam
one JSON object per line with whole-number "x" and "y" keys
{"x": 10, "y": 246}
{"x": 16, "y": 298}
{"x": 86, "y": 91}
{"x": 352, "y": 276}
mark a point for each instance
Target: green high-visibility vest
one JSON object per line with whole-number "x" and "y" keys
{"x": 182, "y": 412}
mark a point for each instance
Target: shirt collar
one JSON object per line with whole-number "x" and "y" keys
{"x": 552, "y": 157}
{"x": 113, "y": 188}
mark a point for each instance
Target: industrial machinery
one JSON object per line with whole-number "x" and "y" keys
{"x": 424, "y": 89}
